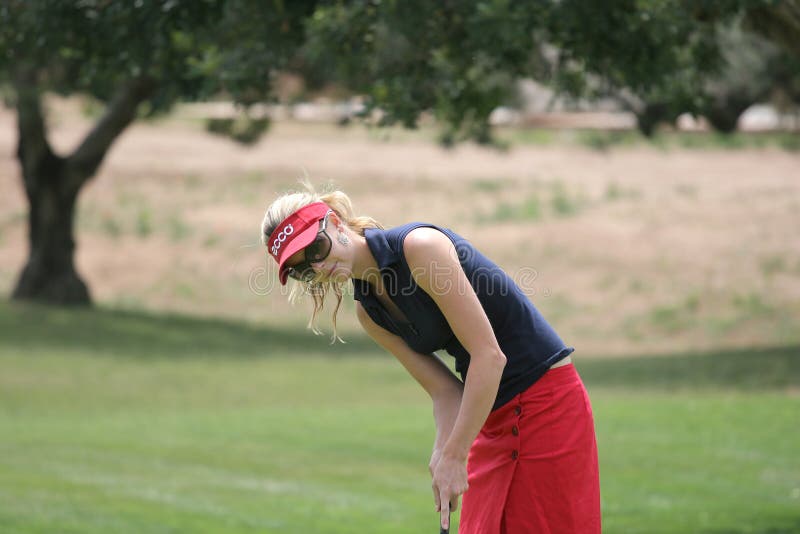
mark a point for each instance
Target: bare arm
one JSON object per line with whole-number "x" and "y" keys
{"x": 434, "y": 264}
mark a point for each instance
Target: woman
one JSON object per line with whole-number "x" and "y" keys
{"x": 515, "y": 436}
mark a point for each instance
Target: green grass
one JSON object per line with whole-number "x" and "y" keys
{"x": 488, "y": 185}
{"x": 555, "y": 201}
{"x": 144, "y": 222}
{"x": 178, "y": 229}
{"x": 772, "y": 265}
{"x": 563, "y": 203}
{"x": 528, "y": 210}
{"x": 129, "y": 422}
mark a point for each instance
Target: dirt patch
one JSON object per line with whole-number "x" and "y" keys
{"x": 635, "y": 249}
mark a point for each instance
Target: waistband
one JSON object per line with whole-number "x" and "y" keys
{"x": 556, "y": 376}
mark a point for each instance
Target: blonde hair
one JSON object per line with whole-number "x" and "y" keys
{"x": 340, "y": 203}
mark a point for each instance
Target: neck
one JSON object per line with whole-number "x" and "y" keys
{"x": 364, "y": 265}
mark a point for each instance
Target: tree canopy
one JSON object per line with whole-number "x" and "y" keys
{"x": 460, "y": 59}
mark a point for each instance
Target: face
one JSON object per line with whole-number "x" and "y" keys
{"x": 323, "y": 259}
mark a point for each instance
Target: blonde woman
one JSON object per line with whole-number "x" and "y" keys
{"x": 514, "y": 431}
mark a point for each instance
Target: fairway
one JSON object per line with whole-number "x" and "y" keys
{"x": 125, "y": 422}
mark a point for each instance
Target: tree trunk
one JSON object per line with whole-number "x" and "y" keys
{"x": 52, "y": 184}
{"x": 723, "y": 113}
{"x": 651, "y": 115}
{"x": 50, "y": 272}
{"x": 723, "y": 119}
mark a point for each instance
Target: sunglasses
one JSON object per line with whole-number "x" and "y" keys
{"x": 316, "y": 251}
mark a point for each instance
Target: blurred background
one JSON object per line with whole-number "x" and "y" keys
{"x": 634, "y": 166}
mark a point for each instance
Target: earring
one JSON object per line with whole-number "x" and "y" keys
{"x": 343, "y": 239}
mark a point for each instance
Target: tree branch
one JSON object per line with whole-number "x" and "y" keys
{"x": 120, "y": 112}
{"x": 779, "y": 23}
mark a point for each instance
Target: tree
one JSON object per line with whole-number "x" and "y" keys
{"x": 138, "y": 58}
{"x": 716, "y": 58}
{"x": 752, "y": 70}
{"x": 457, "y": 60}
{"x": 460, "y": 60}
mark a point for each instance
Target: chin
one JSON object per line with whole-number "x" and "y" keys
{"x": 341, "y": 274}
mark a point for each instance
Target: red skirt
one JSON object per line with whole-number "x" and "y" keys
{"x": 533, "y": 467}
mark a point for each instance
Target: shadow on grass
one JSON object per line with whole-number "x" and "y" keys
{"x": 148, "y": 335}
{"x": 755, "y": 368}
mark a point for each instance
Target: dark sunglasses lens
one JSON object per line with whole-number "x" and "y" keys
{"x": 319, "y": 249}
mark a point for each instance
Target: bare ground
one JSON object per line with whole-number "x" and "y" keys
{"x": 630, "y": 250}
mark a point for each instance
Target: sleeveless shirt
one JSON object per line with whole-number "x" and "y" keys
{"x": 528, "y": 342}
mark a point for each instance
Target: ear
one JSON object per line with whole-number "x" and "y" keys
{"x": 336, "y": 221}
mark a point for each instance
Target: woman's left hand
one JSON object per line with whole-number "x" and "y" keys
{"x": 449, "y": 483}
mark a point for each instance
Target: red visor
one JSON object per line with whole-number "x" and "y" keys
{"x": 294, "y": 233}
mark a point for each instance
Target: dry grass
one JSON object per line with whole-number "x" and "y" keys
{"x": 637, "y": 249}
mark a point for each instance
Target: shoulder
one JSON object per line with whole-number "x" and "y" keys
{"x": 426, "y": 241}
{"x": 432, "y": 259}
{"x": 429, "y": 247}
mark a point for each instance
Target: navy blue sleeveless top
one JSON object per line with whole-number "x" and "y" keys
{"x": 529, "y": 343}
